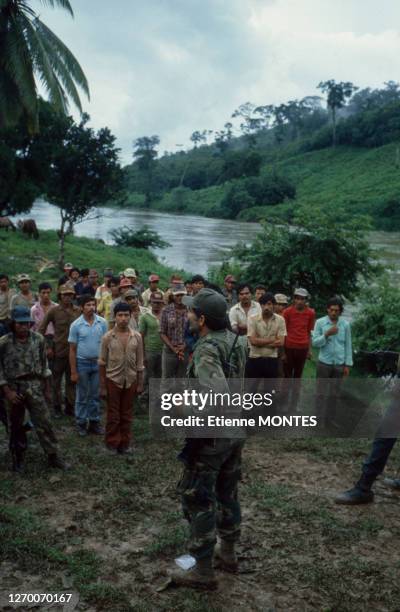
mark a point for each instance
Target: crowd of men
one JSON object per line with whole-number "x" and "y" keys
{"x": 104, "y": 340}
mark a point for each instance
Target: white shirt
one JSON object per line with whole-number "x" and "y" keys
{"x": 238, "y": 316}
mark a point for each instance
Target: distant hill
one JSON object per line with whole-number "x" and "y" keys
{"x": 267, "y": 180}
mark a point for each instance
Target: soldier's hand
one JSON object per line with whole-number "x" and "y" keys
{"x": 13, "y": 397}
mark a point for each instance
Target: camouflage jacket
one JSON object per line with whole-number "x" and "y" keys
{"x": 213, "y": 355}
{"x": 211, "y": 359}
{"x": 20, "y": 359}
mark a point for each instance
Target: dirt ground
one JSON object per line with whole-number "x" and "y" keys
{"x": 110, "y": 529}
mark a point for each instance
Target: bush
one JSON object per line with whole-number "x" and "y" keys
{"x": 387, "y": 216}
{"x": 256, "y": 191}
{"x": 144, "y": 238}
{"x": 377, "y": 326}
{"x": 236, "y": 199}
{"x": 238, "y": 164}
{"x": 327, "y": 254}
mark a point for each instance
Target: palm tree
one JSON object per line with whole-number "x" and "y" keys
{"x": 31, "y": 52}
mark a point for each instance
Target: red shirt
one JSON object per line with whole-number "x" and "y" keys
{"x": 299, "y": 324}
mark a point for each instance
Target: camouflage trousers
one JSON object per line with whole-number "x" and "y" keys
{"x": 34, "y": 402}
{"x": 209, "y": 493}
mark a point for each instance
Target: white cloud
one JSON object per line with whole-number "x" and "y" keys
{"x": 171, "y": 68}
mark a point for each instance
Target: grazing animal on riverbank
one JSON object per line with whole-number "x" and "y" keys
{"x": 6, "y": 223}
{"x": 28, "y": 226}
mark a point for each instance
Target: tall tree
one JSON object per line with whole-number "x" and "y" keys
{"x": 18, "y": 187}
{"x": 223, "y": 138}
{"x": 198, "y": 137}
{"x": 144, "y": 154}
{"x": 84, "y": 173}
{"x": 337, "y": 95}
{"x": 31, "y": 52}
{"x": 250, "y": 124}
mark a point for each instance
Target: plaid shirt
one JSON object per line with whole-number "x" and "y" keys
{"x": 172, "y": 324}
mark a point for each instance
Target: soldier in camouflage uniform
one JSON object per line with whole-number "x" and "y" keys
{"x": 24, "y": 380}
{"x": 209, "y": 483}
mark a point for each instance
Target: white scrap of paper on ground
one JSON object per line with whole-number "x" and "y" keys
{"x": 185, "y": 562}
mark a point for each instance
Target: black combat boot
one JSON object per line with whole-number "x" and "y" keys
{"x": 361, "y": 493}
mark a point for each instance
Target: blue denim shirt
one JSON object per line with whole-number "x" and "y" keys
{"x": 336, "y": 349}
{"x": 87, "y": 337}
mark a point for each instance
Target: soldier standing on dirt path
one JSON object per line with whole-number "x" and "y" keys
{"x": 209, "y": 483}
{"x": 24, "y": 379}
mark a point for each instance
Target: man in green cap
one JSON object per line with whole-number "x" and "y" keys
{"x": 25, "y": 382}
{"x": 25, "y": 295}
{"x": 212, "y": 467}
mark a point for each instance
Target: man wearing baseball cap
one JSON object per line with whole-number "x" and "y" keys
{"x": 25, "y": 382}
{"x": 211, "y": 466}
{"x": 149, "y": 327}
{"x": 61, "y": 317}
{"x": 133, "y": 276}
{"x": 172, "y": 331}
{"x": 300, "y": 320}
{"x": 67, "y": 274}
{"x": 281, "y": 303}
{"x": 229, "y": 291}
{"x": 25, "y": 296}
{"x": 154, "y": 279}
{"x": 125, "y": 284}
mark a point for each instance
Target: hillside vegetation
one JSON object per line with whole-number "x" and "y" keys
{"x": 38, "y": 257}
{"x": 277, "y": 165}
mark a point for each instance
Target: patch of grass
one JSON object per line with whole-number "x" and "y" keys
{"x": 167, "y": 542}
{"x": 23, "y": 538}
{"x": 21, "y": 254}
{"x": 107, "y": 597}
{"x": 337, "y": 580}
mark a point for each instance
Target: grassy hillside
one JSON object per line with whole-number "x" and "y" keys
{"x": 361, "y": 180}
{"x": 20, "y": 254}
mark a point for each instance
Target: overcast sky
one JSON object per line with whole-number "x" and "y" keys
{"x": 170, "y": 67}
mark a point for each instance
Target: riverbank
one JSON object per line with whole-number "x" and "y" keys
{"x": 38, "y": 258}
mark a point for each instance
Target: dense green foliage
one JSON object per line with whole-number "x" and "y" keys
{"x": 377, "y": 325}
{"x": 291, "y": 141}
{"x": 328, "y": 254}
{"x": 83, "y": 173}
{"x": 258, "y": 191}
{"x": 144, "y": 238}
{"x": 30, "y": 51}
{"x": 371, "y": 128}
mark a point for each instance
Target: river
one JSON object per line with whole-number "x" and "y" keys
{"x": 196, "y": 242}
